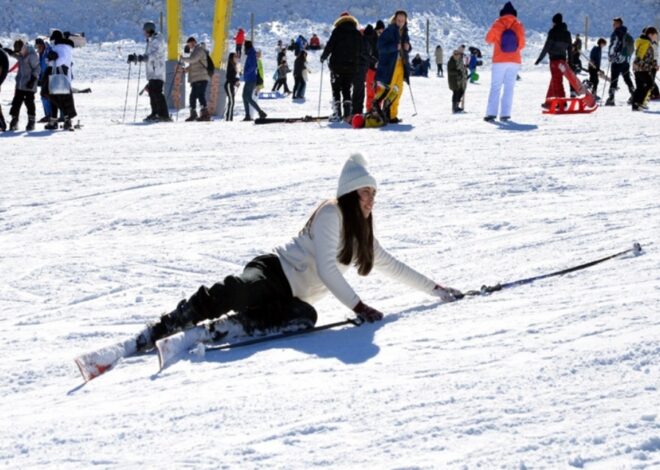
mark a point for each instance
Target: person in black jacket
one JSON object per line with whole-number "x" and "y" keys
{"x": 4, "y": 67}
{"x": 231, "y": 85}
{"x": 299, "y": 67}
{"x": 344, "y": 48}
{"x": 366, "y": 60}
{"x": 373, "y": 63}
{"x": 557, "y": 46}
{"x": 619, "y": 56}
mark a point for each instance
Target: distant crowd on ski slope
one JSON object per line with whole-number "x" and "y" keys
{"x": 45, "y": 67}
{"x": 368, "y": 67}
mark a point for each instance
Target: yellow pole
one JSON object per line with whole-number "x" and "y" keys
{"x": 221, "y": 22}
{"x": 173, "y": 28}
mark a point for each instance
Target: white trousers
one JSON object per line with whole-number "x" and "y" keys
{"x": 503, "y": 76}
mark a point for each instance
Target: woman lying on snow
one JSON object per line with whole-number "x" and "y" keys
{"x": 277, "y": 290}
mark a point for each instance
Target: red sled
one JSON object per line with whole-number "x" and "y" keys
{"x": 584, "y": 103}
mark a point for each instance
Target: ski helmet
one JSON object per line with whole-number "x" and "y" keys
{"x": 358, "y": 121}
{"x": 149, "y": 27}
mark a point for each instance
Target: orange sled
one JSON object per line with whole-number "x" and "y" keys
{"x": 584, "y": 103}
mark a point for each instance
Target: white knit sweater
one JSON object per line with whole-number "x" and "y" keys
{"x": 311, "y": 267}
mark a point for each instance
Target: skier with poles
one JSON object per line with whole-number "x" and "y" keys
{"x": 279, "y": 288}
{"x": 154, "y": 56}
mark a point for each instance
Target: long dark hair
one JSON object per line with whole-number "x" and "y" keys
{"x": 357, "y": 234}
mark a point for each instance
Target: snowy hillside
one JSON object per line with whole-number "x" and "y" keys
{"x": 103, "y": 229}
{"x": 122, "y": 19}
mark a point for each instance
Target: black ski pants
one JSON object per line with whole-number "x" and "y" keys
{"x": 358, "y": 89}
{"x": 157, "y": 99}
{"x": 593, "y": 79}
{"x": 261, "y": 292}
{"x": 198, "y": 93}
{"x": 341, "y": 86}
{"x": 62, "y": 105}
{"x": 230, "y": 90}
{"x": 624, "y": 71}
{"x": 644, "y": 81}
{"x": 298, "y": 84}
{"x": 20, "y": 97}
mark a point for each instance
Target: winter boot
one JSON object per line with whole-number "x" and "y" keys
{"x": 336, "y": 112}
{"x": 30, "y": 124}
{"x": 262, "y": 115}
{"x": 610, "y": 100}
{"x": 151, "y": 118}
{"x": 13, "y": 124}
{"x": 52, "y": 124}
{"x": 183, "y": 317}
{"x": 68, "y": 125}
{"x": 193, "y": 115}
{"x": 43, "y": 120}
{"x": 3, "y": 123}
{"x": 456, "y": 108}
{"x": 348, "y": 111}
{"x": 204, "y": 115}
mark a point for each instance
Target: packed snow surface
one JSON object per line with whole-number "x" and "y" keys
{"x": 105, "y": 228}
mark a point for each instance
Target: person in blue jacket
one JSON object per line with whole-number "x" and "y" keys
{"x": 595, "y": 58}
{"x": 393, "y": 61}
{"x": 250, "y": 76}
{"x": 43, "y": 48}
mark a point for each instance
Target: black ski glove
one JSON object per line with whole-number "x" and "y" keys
{"x": 31, "y": 82}
{"x": 367, "y": 313}
{"x": 52, "y": 55}
{"x": 142, "y": 58}
{"x": 132, "y": 58}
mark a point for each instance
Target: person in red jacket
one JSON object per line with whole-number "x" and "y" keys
{"x": 240, "y": 40}
{"x": 507, "y": 35}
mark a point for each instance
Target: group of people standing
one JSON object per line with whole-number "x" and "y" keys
{"x": 622, "y": 50}
{"x": 367, "y": 65}
{"x": 45, "y": 67}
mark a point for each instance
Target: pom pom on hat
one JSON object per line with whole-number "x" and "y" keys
{"x": 354, "y": 175}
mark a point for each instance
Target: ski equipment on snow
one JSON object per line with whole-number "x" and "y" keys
{"x": 636, "y": 250}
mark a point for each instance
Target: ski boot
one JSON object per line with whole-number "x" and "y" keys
{"x": 183, "y": 317}
{"x": 348, "y": 111}
{"x": 52, "y": 125}
{"x": 30, "y": 124}
{"x": 336, "y": 112}
{"x": 13, "y": 124}
{"x": 193, "y": 115}
{"x": 204, "y": 115}
{"x": 151, "y": 118}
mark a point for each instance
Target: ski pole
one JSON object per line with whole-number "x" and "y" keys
{"x": 128, "y": 82}
{"x": 605, "y": 81}
{"x": 636, "y": 250}
{"x": 412, "y": 97}
{"x": 287, "y": 334}
{"x": 320, "y": 91}
{"x": 137, "y": 94}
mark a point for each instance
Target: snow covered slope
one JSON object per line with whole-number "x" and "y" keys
{"x": 122, "y": 19}
{"x": 103, "y": 229}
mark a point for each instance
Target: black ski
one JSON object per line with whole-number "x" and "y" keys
{"x": 485, "y": 290}
{"x": 290, "y": 120}
{"x": 287, "y": 334}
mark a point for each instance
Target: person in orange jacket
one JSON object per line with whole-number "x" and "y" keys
{"x": 507, "y": 35}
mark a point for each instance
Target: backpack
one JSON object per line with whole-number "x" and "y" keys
{"x": 509, "y": 41}
{"x": 628, "y": 45}
{"x": 210, "y": 66}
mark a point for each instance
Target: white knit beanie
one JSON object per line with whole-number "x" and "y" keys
{"x": 355, "y": 175}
